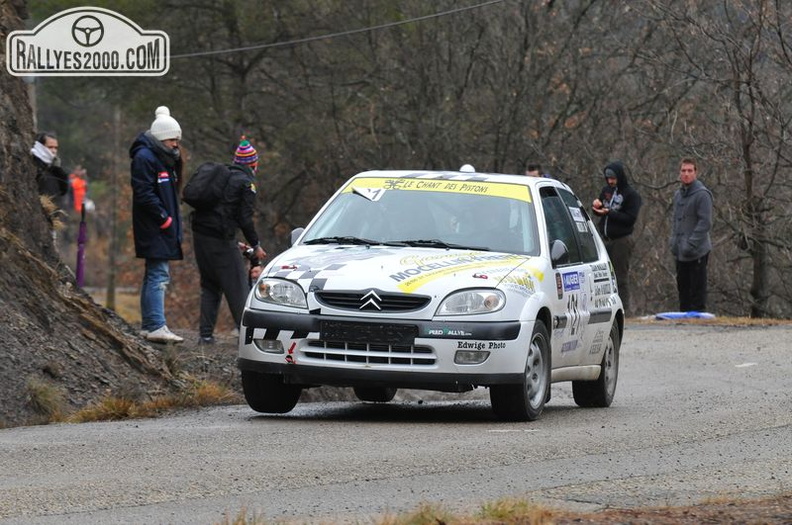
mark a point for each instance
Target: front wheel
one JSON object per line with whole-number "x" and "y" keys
{"x": 600, "y": 392}
{"x": 525, "y": 401}
{"x": 267, "y": 393}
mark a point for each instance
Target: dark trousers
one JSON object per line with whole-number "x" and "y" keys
{"x": 692, "y": 284}
{"x": 620, "y": 252}
{"x": 222, "y": 273}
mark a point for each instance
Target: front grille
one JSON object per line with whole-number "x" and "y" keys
{"x": 357, "y": 300}
{"x": 370, "y": 353}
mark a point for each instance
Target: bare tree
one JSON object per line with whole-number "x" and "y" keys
{"x": 739, "y": 125}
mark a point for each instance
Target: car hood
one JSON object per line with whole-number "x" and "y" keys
{"x": 405, "y": 270}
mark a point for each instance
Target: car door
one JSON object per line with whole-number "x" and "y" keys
{"x": 567, "y": 222}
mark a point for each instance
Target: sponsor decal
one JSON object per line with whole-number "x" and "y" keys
{"x": 600, "y": 272}
{"x": 577, "y": 215}
{"x": 87, "y": 41}
{"x": 521, "y": 283}
{"x": 559, "y": 286}
{"x": 471, "y": 345}
{"x": 410, "y": 279}
{"x": 368, "y": 186}
{"x": 598, "y": 342}
{"x": 448, "y": 332}
{"x": 572, "y": 281}
{"x": 480, "y": 345}
{"x": 569, "y": 346}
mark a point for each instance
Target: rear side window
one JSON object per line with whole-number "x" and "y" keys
{"x": 583, "y": 232}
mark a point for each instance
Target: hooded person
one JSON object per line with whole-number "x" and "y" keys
{"x": 156, "y": 220}
{"x": 221, "y": 267}
{"x": 618, "y": 206}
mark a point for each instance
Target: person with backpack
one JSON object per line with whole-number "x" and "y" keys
{"x": 224, "y": 200}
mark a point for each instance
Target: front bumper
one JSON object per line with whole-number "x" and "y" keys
{"x": 358, "y": 351}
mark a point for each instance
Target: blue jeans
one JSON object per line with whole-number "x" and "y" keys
{"x": 152, "y": 294}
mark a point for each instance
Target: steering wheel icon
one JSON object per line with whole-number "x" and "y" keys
{"x": 87, "y": 31}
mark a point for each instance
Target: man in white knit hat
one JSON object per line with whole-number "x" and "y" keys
{"x": 156, "y": 221}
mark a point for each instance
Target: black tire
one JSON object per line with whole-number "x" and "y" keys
{"x": 600, "y": 392}
{"x": 526, "y": 401}
{"x": 375, "y": 394}
{"x": 267, "y": 393}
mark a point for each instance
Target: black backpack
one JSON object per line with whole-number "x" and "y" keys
{"x": 205, "y": 188}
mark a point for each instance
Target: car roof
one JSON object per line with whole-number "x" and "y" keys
{"x": 525, "y": 180}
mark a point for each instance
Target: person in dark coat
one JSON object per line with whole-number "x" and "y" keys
{"x": 216, "y": 249}
{"x": 51, "y": 178}
{"x": 156, "y": 220}
{"x": 690, "y": 237}
{"x": 618, "y": 206}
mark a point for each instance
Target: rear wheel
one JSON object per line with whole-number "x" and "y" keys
{"x": 600, "y": 392}
{"x": 267, "y": 393}
{"x": 375, "y": 394}
{"x": 525, "y": 401}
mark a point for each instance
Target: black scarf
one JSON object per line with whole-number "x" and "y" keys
{"x": 169, "y": 157}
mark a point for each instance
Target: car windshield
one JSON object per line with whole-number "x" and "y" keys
{"x": 435, "y": 214}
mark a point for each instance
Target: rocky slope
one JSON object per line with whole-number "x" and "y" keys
{"x": 59, "y": 350}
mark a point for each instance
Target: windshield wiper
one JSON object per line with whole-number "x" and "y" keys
{"x": 341, "y": 240}
{"x": 434, "y": 243}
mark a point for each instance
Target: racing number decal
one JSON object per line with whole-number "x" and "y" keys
{"x": 573, "y": 283}
{"x": 573, "y": 312}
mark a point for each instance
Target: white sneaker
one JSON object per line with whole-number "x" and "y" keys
{"x": 163, "y": 335}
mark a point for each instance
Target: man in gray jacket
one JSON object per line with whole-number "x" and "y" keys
{"x": 690, "y": 237}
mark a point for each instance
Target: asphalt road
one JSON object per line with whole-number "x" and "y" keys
{"x": 700, "y": 413}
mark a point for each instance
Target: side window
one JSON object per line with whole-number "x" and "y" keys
{"x": 559, "y": 223}
{"x": 585, "y": 236}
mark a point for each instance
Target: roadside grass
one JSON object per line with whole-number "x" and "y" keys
{"x": 197, "y": 393}
{"x": 501, "y": 511}
{"x": 47, "y": 400}
{"x": 772, "y": 510}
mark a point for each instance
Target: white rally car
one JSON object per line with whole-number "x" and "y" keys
{"x": 444, "y": 281}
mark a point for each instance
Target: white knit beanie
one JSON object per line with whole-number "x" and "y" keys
{"x": 164, "y": 126}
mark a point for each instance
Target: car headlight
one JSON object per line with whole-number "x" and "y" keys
{"x": 278, "y": 291}
{"x": 469, "y": 302}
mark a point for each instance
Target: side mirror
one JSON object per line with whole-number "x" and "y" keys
{"x": 295, "y": 234}
{"x": 559, "y": 253}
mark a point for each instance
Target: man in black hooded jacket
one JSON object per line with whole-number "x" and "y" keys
{"x": 617, "y": 207}
{"x": 216, "y": 249}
